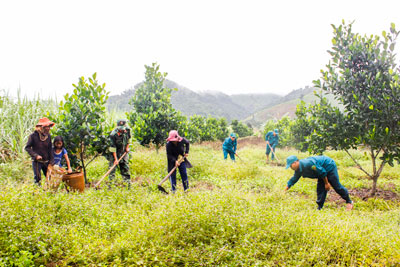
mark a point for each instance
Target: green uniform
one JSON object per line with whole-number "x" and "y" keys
{"x": 118, "y": 143}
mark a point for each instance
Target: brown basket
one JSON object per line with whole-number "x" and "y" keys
{"x": 75, "y": 181}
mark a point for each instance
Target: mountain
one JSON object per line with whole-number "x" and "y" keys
{"x": 215, "y": 104}
{"x": 255, "y": 109}
{"x": 287, "y": 105}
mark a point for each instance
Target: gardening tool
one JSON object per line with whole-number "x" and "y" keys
{"x": 180, "y": 160}
{"x": 109, "y": 171}
{"x": 273, "y": 152}
{"x": 238, "y": 156}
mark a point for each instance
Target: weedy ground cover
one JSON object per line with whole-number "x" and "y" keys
{"x": 235, "y": 214}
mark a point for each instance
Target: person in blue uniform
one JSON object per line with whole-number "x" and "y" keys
{"x": 229, "y": 146}
{"x": 322, "y": 168}
{"x": 272, "y": 138}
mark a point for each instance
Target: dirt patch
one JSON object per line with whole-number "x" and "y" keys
{"x": 203, "y": 185}
{"x": 251, "y": 141}
{"x": 276, "y": 164}
{"x": 364, "y": 194}
{"x": 142, "y": 181}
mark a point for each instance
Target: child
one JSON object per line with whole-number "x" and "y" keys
{"x": 59, "y": 151}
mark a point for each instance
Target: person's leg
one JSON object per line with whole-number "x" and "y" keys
{"x": 333, "y": 179}
{"x": 184, "y": 177}
{"x": 44, "y": 169}
{"x": 321, "y": 193}
{"x": 267, "y": 152}
{"x": 124, "y": 167}
{"x": 172, "y": 179}
{"x": 273, "y": 150}
{"x": 232, "y": 155}
{"x": 111, "y": 175}
{"x": 225, "y": 153}
{"x": 37, "y": 168}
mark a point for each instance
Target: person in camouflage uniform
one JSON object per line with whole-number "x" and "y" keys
{"x": 119, "y": 144}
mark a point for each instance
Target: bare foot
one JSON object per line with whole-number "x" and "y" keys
{"x": 349, "y": 206}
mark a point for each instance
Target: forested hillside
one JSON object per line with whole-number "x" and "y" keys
{"x": 215, "y": 104}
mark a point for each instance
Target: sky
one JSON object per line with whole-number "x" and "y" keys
{"x": 230, "y": 46}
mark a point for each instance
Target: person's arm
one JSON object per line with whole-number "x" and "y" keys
{"x": 187, "y": 145}
{"x": 28, "y": 148}
{"x": 113, "y": 148}
{"x": 68, "y": 162}
{"x": 322, "y": 173}
{"x": 293, "y": 180}
{"x": 128, "y": 136}
{"x": 115, "y": 158}
{"x": 50, "y": 151}
{"x": 234, "y": 146}
{"x": 327, "y": 185}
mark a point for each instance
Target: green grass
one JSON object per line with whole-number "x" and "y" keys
{"x": 235, "y": 214}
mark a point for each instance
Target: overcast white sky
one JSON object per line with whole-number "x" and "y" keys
{"x": 229, "y": 46}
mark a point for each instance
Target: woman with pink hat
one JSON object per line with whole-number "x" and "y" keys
{"x": 39, "y": 148}
{"x": 177, "y": 146}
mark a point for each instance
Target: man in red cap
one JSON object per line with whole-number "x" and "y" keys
{"x": 177, "y": 146}
{"x": 40, "y": 149}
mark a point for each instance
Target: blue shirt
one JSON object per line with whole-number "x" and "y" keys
{"x": 273, "y": 140}
{"x": 58, "y": 157}
{"x": 229, "y": 145}
{"x": 313, "y": 167}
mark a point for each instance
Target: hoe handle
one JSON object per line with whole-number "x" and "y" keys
{"x": 110, "y": 170}
{"x": 171, "y": 172}
{"x": 273, "y": 152}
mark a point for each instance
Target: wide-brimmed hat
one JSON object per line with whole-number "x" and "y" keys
{"x": 45, "y": 122}
{"x": 174, "y": 136}
{"x": 290, "y": 160}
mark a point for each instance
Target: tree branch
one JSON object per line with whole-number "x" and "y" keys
{"x": 358, "y": 164}
{"x": 97, "y": 155}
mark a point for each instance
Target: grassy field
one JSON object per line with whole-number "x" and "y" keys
{"x": 235, "y": 214}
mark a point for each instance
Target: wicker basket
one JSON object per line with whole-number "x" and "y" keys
{"x": 75, "y": 181}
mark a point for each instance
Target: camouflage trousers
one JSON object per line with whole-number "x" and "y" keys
{"x": 123, "y": 166}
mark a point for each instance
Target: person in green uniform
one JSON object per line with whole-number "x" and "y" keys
{"x": 322, "y": 168}
{"x": 229, "y": 146}
{"x": 119, "y": 144}
{"x": 272, "y": 138}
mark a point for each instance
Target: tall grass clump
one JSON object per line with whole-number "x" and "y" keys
{"x": 18, "y": 117}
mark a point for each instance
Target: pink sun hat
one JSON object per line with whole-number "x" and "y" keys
{"x": 174, "y": 136}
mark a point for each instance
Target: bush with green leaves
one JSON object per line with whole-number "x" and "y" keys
{"x": 81, "y": 122}
{"x": 241, "y": 129}
{"x": 364, "y": 77}
{"x": 153, "y": 116}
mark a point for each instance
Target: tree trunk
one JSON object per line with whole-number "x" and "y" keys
{"x": 373, "y": 190}
{"x": 83, "y": 162}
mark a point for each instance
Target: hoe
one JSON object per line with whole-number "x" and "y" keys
{"x": 180, "y": 160}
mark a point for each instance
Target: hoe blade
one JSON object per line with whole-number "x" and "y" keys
{"x": 162, "y": 189}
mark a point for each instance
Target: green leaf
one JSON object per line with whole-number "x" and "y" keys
{"x": 371, "y": 107}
